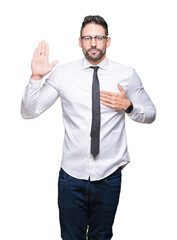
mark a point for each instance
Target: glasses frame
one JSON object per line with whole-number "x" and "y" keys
{"x": 96, "y": 38}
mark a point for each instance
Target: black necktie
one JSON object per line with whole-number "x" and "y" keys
{"x": 95, "y": 129}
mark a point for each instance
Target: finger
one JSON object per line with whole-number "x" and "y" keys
{"x": 109, "y": 105}
{"x": 108, "y": 93}
{"x": 53, "y": 64}
{"x": 35, "y": 53}
{"x": 43, "y": 47}
{"x": 108, "y": 96}
{"x": 120, "y": 88}
{"x": 39, "y": 49}
{"x": 47, "y": 50}
{"x": 108, "y": 100}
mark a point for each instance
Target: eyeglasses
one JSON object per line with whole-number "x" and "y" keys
{"x": 97, "y": 38}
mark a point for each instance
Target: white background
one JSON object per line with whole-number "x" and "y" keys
{"x": 144, "y": 37}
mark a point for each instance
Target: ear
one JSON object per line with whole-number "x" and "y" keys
{"x": 80, "y": 42}
{"x": 108, "y": 42}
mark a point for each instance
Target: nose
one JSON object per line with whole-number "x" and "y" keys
{"x": 93, "y": 42}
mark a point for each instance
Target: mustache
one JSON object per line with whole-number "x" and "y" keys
{"x": 93, "y": 48}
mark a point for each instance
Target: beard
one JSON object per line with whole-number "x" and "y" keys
{"x": 94, "y": 56}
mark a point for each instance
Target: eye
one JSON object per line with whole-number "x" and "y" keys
{"x": 99, "y": 38}
{"x": 87, "y": 38}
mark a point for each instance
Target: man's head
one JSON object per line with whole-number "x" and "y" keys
{"x": 94, "y": 38}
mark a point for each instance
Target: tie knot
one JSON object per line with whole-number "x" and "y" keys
{"x": 95, "y": 68}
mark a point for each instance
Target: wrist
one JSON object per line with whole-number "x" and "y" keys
{"x": 127, "y": 103}
{"x": 36, "y": 77}
{"x": 129, "y": 107}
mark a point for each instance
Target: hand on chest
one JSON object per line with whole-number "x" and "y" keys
{"x": 78, "y": 93}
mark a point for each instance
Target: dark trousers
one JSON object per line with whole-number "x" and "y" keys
{"x": 87, "y": 208}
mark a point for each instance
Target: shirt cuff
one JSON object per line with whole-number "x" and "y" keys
{"x": 35, "y": 83}
{"x": 137, "y": 113}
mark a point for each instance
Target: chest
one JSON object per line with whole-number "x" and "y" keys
{"x": 76, "y": 88}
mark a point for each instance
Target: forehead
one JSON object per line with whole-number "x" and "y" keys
{"x": 93, "y": 29}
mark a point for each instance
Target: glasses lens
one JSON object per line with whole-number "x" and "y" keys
{"x": 87, "y": 38}
{"x": 99, "y": 38}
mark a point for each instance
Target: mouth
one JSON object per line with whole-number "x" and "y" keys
{"x": 93, "y": 50}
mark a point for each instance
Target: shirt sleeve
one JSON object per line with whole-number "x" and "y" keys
{"x": 38, "y": 98}
{"x": 144, "y": 110}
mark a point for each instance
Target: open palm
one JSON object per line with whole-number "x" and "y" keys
{"x": 40, "y": 62}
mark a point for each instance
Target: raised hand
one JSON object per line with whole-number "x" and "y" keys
{"x": 118, "y": 101}
{"x": 40, "y": 62}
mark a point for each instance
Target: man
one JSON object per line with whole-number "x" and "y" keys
{"x": 95, "y": 94}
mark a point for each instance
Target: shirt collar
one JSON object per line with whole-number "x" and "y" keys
{"x": 103, "y": 64}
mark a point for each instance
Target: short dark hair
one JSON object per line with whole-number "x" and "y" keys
{"x": 95, "y": 19}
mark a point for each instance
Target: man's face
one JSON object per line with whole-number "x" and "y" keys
{"x": 94, "y": 49}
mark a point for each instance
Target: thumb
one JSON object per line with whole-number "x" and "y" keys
{"x": 120, "y": 88}
{"x": 53, "y": 64}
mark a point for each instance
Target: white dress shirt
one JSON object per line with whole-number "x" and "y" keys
{"x": 73, "y": 84}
